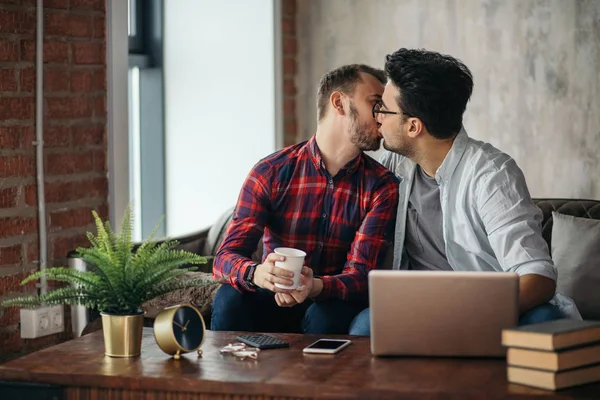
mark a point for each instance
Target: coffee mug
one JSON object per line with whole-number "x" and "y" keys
{"x": 294, "y": 260}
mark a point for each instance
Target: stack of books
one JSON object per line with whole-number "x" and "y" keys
{"x": 553, "y": 355}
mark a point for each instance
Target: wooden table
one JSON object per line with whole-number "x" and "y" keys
{"x": 78, "y": 369}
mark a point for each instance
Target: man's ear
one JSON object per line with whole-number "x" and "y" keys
{"x": 415, "y": 127}
{"x": 336, "y": 100}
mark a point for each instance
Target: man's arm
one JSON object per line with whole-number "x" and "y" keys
{"x": 373, "y": 238}
{"x": 250, "y": 216}
{"x": 513, "y": 226}
{"x": 534, "y": 290}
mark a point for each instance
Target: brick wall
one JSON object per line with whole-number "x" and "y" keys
{"x": 75, "y": 142}
{"x": 290, "y": 67}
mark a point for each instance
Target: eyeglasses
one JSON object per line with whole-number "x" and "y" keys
{"x": 377, "y": 110}
{"x": 240, "y": 351}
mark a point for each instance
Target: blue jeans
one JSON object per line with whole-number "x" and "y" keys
{"x": 360, "y": 326}
{"x": 258, "y": 312}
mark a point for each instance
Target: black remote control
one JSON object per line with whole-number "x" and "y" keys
{"x": 263, "y": 341}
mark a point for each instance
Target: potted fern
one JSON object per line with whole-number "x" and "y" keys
{"x": 121, "y": 277}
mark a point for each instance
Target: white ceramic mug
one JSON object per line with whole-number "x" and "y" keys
{"x": 294, "y": 260}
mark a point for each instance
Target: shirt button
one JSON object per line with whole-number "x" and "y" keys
{"x": 324, "y": 215}
{"x": 331, "y": 181}
{"x": 319, "y": 245}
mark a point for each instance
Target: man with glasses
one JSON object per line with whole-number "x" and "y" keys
{"x": 324, "y": 197}
{"x": 464, "y": 205}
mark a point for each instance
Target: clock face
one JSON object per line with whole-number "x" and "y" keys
{"x": 188, "y": 328}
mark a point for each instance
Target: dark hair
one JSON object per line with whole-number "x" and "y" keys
{"x": 433, "y": 87}
{"x": 342, "y": 79}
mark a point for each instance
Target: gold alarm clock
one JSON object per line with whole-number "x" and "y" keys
{"x": 179, "y": 329}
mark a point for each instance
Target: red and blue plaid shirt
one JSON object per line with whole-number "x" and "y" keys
{"x": 345, "y": 223}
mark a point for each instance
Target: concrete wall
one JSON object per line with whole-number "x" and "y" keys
{"x": 536, "y": 65}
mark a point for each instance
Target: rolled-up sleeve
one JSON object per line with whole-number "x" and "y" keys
{"x": 513, "y": 222}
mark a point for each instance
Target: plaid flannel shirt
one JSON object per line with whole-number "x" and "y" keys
{"x": 345, "y": 223}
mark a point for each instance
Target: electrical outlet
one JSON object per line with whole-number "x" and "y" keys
{"x": 41, "y": 321}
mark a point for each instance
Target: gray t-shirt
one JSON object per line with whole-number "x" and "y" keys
{"x": 424, "y": 241}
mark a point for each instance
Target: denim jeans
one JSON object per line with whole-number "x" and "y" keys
{"x": 360, "y": 326}
{"x": 258, "y": 312}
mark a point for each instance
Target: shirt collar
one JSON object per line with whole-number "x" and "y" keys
{"x": 317, "y": 159}
{"x": 451, "y": 160}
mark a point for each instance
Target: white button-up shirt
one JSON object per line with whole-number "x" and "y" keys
{"x": 489, "y": 221}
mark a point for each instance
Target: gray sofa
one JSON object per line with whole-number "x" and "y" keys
{"x": 207, "y": 242}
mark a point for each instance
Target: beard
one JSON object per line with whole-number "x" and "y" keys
{"x": 361, "y": 134}
{"x": 401, "y": 146}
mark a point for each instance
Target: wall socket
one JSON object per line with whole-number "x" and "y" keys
{"x": 42, "y": 321}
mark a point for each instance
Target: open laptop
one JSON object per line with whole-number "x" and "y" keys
{"x": 441, "y": 313}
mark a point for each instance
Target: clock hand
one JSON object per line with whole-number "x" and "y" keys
{"x": 186, "y": 324}
{"x": 179, "y": 325}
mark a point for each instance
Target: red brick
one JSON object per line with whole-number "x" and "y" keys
{"x": 16, "y": 22}
{"x": 27, "y": 50}
{"x": 59, "y": 164}
{"x": 10, "y": 342}
{"x": 97, "y": 187}
{"x": 9, "y": 50}
{"x": 88, "y": 53}
{"x": 100, "y": 106}
{"x": 288, "y": 26}
{"x": 10, "y": 316}
{"x": 74, "y": 218}
{"x": 289, "y": 7}
{"x": 57, "y": 136}
{"x": 97, "y": 5}
{"x": 289, "y": 66}
{"x": 99, "y": 27}
{"x": 8, "y": 197}
{"x": 12, "y": 284}
{"x": 16, "y": 108}
{"x": 63, "y": 4}
{"x": 100, "y": 161}
{"x": 91, "y": 135}
{"x": 10, "y": 137}
{"x": 290, "y": 127}
{"x": 81, "y": 81}
{"x": 289, "y": 140}
{"x": 10, "y": 255}
{"x": 54, "y": 192}
{"x": 56, "y": 80}
{"x": 33, "y": 252}
{"x": 70, "y": 107}
{"x": 27, "y": 136}
{"x": 16, "y": 165}
{"x": 290, "y": 46}
{"x": 100, "y": 80}
{"x": 64, "y": 24}
{"x": 62, "y": 246}
{"x": 289, "y": 87}
{"x": 102, "y": 211}
{"x": 27, "y": 79}
{"x": 56, "y": 52}
{"x": 16, "y": 226}
{"x": 8, "y": 80}
{"x": 289, "y": 107}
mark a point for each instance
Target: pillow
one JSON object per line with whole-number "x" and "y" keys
{"x": 576, "y": 254}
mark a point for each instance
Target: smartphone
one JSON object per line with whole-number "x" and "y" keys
{"x": 327, "y": 346}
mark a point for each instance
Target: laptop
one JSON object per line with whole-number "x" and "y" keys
{"x": 441, "y": 313}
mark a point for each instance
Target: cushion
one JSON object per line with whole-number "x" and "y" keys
{"x": 576, "y": 254}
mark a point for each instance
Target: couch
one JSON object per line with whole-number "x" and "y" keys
{"x": 206, "y": 242}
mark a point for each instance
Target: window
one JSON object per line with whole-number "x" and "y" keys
{"x": 146, "y": 111}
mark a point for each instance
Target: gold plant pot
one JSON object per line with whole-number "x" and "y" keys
{"x": 122, "y": 334}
